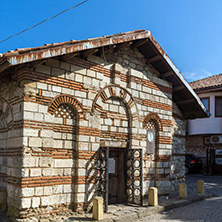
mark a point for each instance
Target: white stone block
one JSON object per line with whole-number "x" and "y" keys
{"x": 83, "y": 146}
{"x": 56, "y": 89}
{"x": 47, "y": 172}
{"x": 48, "y": 118}
{"x": 33, "y": 107}
{"x": 47, "y": 190}
{"x": 95, "y": 146}
{"x": 78, "y": 78}
{"x": 45, "y": 201}
{"x": 90, "y": 73}
{"x": 95, "y": 83}
{"x": 35, "y": 173}
{"x": 82, "y": 163}
{"x": 55, "y": 200}
{"x": 68, "y": 171}
{"x": 83, "y": 138}
{"x": 38, "y": 191}
{"x": 25, "y": 203}
{"x": 81, "y": 188}
{"x": 82, "y": 172}
{"x": 41, "y": 85}
{"x": 63, "y": 163}
{"x": 113, "y": 108}
{"x": 99, "y": 75}
{"x": 35, "y": 142}
{"x": 29, "y": 161}
{"x": 47, "y": 133}
{"x": 63, "y": 198}
{"x": 80, "y": 94}
{"x": 58, "y": 143}
{"x": 27, "y": 192}
{"x": 56, "y": 189}
{"x": 30, "y": 132}
{"x": 57, "y": 135}
{"x": 48, "y": 142}
{"x": 38, "y": 116}
{"x": 68, "y": 144}
{"x": 35, "y": 202}
{"x": 108, "y": 122}
{"x": 27, "y": 115}
{"x": 50, "y": 94}
{"x": 68, "y": 188}
{"x": 45, "y": 161}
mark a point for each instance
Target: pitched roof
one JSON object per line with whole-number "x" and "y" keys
{"x": 211, "y": 82}
{"x": 184, "y": 96}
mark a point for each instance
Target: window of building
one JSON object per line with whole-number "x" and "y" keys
{"x": 206, "y": 102}
{"x": 218, "y": 106}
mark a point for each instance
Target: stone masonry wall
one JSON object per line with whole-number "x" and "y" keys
{"x": 177, "y": 175}
{"x": 70, "y": 107}
{"x": 195, "y": 145}
{"x": 11, "y": 143}
{"x": 132, "y": 64}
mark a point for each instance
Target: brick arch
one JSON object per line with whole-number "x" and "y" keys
{"x": 6, "y": 114}
{"x": 155, "y": 117}
{"x": 115, "y": 91}
{"x": 66, "y": 99}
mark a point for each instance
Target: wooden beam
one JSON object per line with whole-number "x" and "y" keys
{"x": 86, "y": 53}
{"x": 4, "y": 65}
{"x": 122, "y": 45}
{"x": 69, "y": 56}
{"x": 153, "y": 59}
{"x": 166, "y": 74}
{"x": 35, "y": 63}
{"x": 185, "y": 101}
{"x": 105, "y": 50}
{"x": 138, "y": 43}
{"x": 177, "y": 88}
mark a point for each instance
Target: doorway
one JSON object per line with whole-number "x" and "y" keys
{"x": 116, "y": 176}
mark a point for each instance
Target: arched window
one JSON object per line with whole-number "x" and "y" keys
{"x": 151, "y": 139}
{"x": 153, "y": 125}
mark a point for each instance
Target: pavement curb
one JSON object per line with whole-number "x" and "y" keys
{"x": 146, "y": 211}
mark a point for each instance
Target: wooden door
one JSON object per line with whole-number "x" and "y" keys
{"x": 116, "y": 185}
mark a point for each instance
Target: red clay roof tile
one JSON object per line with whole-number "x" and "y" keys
{"x": 206, "y": 83}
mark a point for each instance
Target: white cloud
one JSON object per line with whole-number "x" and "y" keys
{"x": 196, "y": 75}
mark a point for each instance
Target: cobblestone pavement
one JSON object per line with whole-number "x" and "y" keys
{"x": 209, "y": 210}
{"x": 213, "y": 184}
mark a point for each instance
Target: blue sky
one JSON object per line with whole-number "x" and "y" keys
{"x": 189, "y": 31}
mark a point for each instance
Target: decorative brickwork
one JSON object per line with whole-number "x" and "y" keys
{"x": 150, "y": 120}
{"x": 114, "y": 91}
{"x": 60, "y": 102}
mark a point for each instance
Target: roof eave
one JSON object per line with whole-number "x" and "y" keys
{"x": 49, "y": 51}
{"x": 72, "y": 48}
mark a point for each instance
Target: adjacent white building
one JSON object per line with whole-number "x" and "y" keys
{"x": 205, "y": 134}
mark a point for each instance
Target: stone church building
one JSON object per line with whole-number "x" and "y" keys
{"x": 102, "y": 116}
